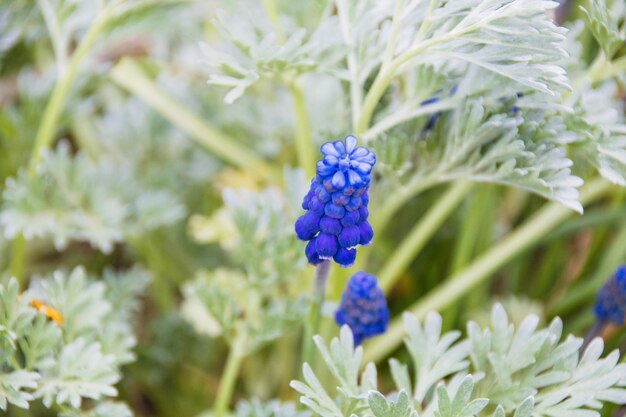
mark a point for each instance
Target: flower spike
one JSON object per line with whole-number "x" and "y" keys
{"x": 336, "y": 218}
{"x": 363, "y": 307}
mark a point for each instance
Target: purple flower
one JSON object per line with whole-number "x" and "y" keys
{"x": 336, "y": 204}
{"x": 363, "y": 307}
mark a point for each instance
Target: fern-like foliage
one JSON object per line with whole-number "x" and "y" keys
{"x": 521, "y": 150}
{"x": 254, "y": 50}
{"x": 477, "y": 88}
{"x": 494, "y": 371}
{"x": 77, "y": 355}
{"x": 76, "y": 198}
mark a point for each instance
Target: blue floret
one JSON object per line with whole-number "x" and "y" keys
{"x": 611, "y": 299}
{"x": 336, "y": 218}
{"x": 363, "y": 307}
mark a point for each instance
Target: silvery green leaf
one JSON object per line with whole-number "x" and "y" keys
{"x": 460, "y": 405}
{"x": 81, "y": 302}
{"x": 511, "y": 149}
{"x": 499, "y": 412}
{"x": 401, "y": 407}
{"x": 435, "y": 356}
{"x": 38, "y": 342}
{"x": 604, "y": 24}
{"x": 343, "y": 359}
{"x": 253, "y": 50}
{"x": 75, "y": 198}
{"x": 81, "y": 371}
{"x": 601, "y": 125}
{"x": 525, "y": 409}
{"x": 314, "y": 396}
{"x": 76, "y": 354}
{"x": 16, "y": 388}
{"x": 400, "y": 375}
{"x": 369, "y": 377}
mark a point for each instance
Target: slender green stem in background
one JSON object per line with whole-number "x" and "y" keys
{"x": 18, "y": 255}
{"x": 393, "y": 34}
{"x": 376, "y": 91}
{"x": 421, "y": 233}
{"x": 304, "y": 142}
{"x": 482, "y": 268}
{"x": 613, "y": 256}
{"x": 130, "y": 76}
{"x": 315, "y": 311}
{"x": 227, "y": 382}
{"x": 50, "y": 120}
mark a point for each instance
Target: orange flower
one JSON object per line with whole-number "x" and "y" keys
{"x": 50, "y": 312}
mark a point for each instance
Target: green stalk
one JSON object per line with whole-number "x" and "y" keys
{"x": 50, "y": 119}
{"x": 462, "y": 283}
{"x": 421, "y": 233}
{"x": 304, "y": 142}
{"x": 584, "y": 292}
{"x": 52, "y": 113}
{"x": 315, "y": 311}
{"x": 475, "y": 233}
{"x": 227, "y": 382}
{"x": 129, "y": 75}
{"x": 381, "y": 82}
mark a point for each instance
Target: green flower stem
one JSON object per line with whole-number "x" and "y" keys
{"x": 474, "y": 235}
{"x": 52, "y": 113}
{"x": 376, "y": 91}
{"x": 304, "y": 142}
{"x": 462, "y": 283}
{"x": 227, "y": 382}
{"x": 315, "y": 311}
{"x": 131, "y": 77}
{"x": 585, "y": 292}
{"x": 421, "y": 233}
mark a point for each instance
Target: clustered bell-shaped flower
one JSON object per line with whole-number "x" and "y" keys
{"x": 611, "y": 299}
{"x": 336, "y": 218}
{"x": 363, "y": 307}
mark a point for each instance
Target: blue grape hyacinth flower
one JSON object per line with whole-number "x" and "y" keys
{"x": 363, "y": 307}
{"x": 336, "y": 219}
{"x": 611, "y": 299}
